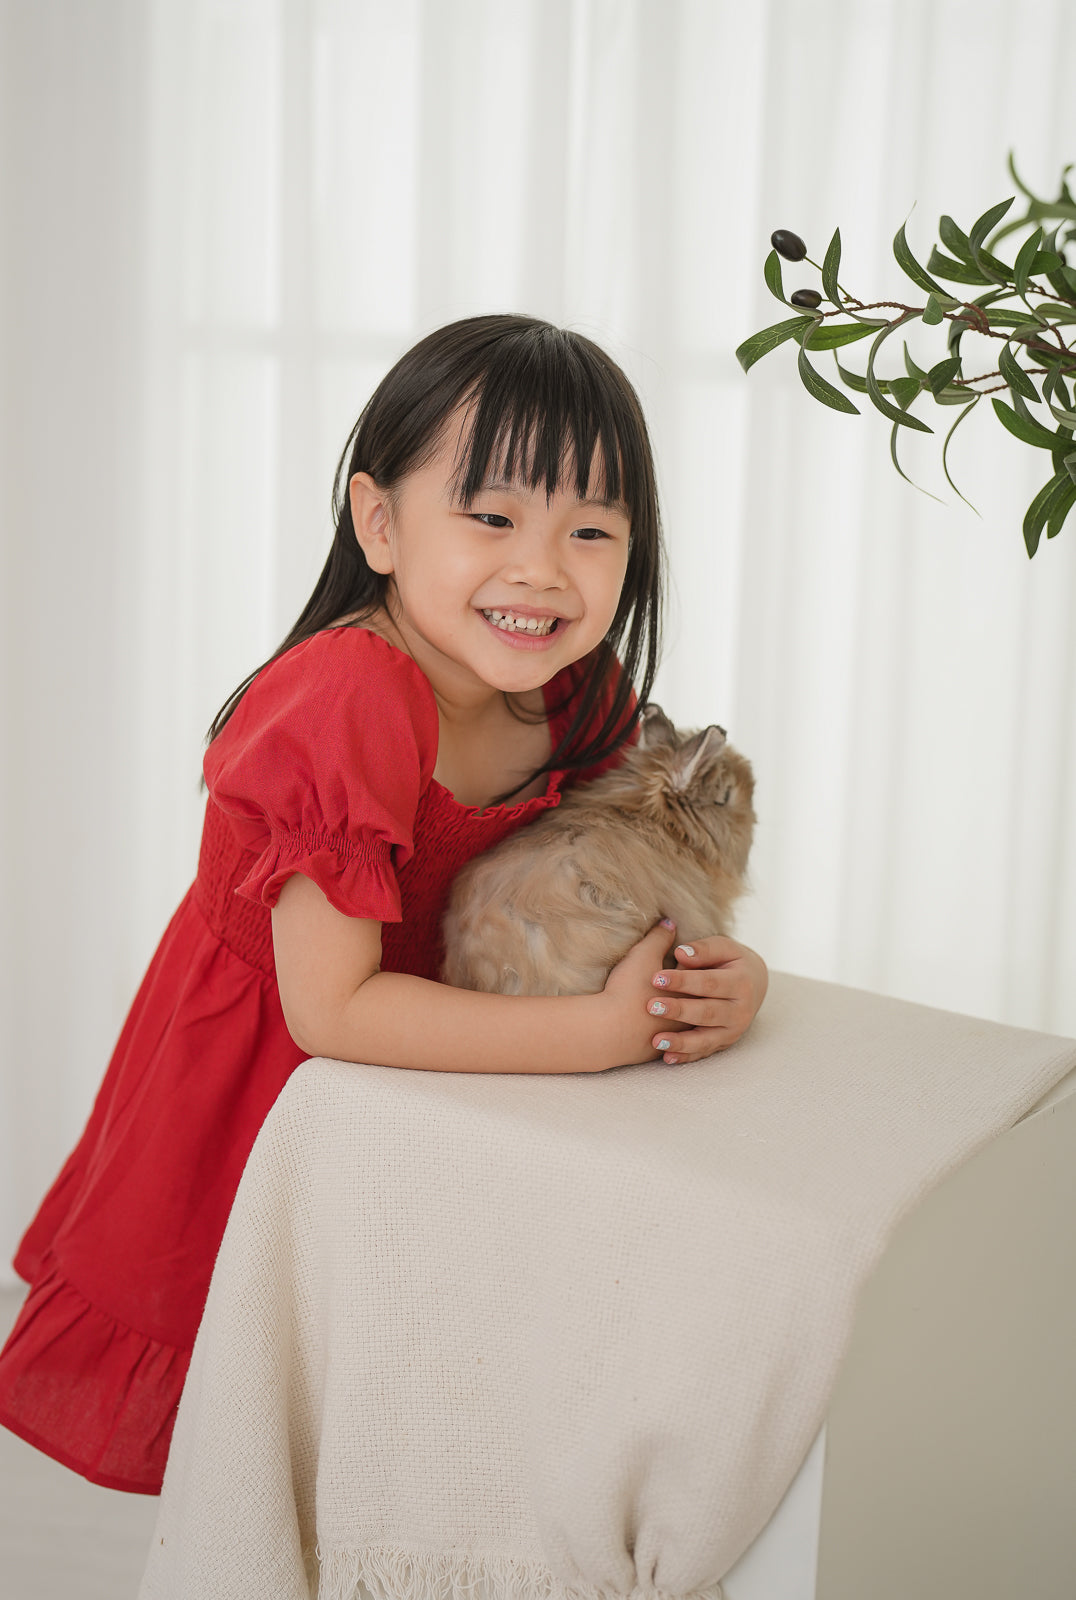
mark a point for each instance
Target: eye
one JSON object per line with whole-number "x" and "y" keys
{"x": 588, "y": 535}
{"x": 491, "y": 519}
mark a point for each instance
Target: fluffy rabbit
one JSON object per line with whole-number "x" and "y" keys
{"x": 555, "y": 907}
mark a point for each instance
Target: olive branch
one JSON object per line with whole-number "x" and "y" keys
{"x": 1030, "y": 307}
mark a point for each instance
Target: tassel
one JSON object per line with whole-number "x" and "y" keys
{"x": 387, "y": 1573}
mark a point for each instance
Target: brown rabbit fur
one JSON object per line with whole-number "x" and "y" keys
{"x": 555, "y": 906}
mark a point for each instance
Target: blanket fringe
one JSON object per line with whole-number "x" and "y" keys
{"x": 388, "y": 1573}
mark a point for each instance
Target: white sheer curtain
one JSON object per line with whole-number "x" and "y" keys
{"x": 222, "y": 221}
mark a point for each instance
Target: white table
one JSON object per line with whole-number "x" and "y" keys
{"x": 639, "y": 1263}
{"x": 947, "y": 1465}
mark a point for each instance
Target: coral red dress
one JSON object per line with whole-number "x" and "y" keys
{"x": 325, "y": 768}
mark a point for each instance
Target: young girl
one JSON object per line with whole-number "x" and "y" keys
{"x": 492, "y": 590}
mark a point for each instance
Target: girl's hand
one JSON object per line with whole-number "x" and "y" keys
{"x": 626, "y": 1027}
{"x": 714, "y": 994}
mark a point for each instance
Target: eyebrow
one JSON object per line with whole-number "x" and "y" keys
{"x": 602, "y": 504}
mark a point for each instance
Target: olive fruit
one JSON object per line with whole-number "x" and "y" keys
{"x": 789, "y": 245}
{"x": 806, "y": 297}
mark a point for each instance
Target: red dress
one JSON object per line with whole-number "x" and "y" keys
{"x": 325, "y": 768}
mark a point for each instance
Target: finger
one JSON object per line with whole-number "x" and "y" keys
{"x": 711, "y": 983}
{"x": 662, "y": 934}
{"x": 693, "y": 1045}
{"x": 711, "y": 952}
{"x": 709, "y": 1013}
{"x": 654, "y": 949}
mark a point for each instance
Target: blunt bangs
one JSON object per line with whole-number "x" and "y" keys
{"x": 543, "y": 415}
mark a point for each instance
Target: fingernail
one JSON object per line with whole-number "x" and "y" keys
{"x": 661, "y": 981}
{"x": 663, "y": 1044}
{"x": 656, "y": 1009}
{"x": 667, "y": 922}
{"x": 686, "y": 949}
{"x": 670, "y": 1061}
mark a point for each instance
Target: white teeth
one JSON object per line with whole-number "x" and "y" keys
{"x": 509, "y": 622}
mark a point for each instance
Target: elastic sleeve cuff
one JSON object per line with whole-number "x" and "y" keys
{"x": 356, "y": 877}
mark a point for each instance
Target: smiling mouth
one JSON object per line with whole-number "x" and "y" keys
{"x": 511, "y": 622}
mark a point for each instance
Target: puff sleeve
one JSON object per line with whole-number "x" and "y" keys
{"x": 321, "y": 766}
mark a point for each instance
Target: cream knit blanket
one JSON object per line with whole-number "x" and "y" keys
{"x": 476, "y": 1336}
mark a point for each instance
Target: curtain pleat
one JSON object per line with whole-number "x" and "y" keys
{"x": 224, "y": 219}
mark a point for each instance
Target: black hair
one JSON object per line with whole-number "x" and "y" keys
{"x": 541, "y": 400}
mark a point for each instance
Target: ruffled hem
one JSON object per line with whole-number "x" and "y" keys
{"x": 88, "y": 1391}
{"x": 357, "y": 878}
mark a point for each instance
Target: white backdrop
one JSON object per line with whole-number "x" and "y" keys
{"x": 222, "y": 221}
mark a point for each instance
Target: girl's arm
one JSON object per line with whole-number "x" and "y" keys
{"x": 338, "y": 1003}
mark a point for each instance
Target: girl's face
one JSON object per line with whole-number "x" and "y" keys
{"x": 503, "y": 593}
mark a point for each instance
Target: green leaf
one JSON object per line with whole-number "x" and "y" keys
{"x": 1062, "y": 448}
{"x": 893, "y": 432}
{"x": 945, "y": 451}
{"x": 1014, "y": 175}
{"x": 1055, "y": 388}
{"x": 1059, "y": 510}
{"x": 1018, "y": 323}
{"x": 988, "y": 221}
{"x": 852, "y": 379}
{"x": 904, "y": 391}
{"x": 932, "y": 311}
{"x": 1022, "y": 269}
{"x": 969, "y": 250}
{"x": 760, "y": 344}
{"x": 954, "y": 271}
{"x": 874, "y": 390}
{"x": 1046, "y": 210}
{"x": 772, "y": 273}
{"x": 830, "y": 268}
{"x": 939, "y": 376}
{"x": 958, "y": 327}
{"x": 831, "y": 335}
{"x": 1064, "y": 415}
{"x": 1063, "y": 282}
{"x": 911, "y": 367}
{"x": 1028, "y": 431}
{"x": 817, "y": 386}
{"x": 911, "y": 268}
{"x": 1070, "y": 466}
{"x": 1014, "y": 374}
{"x": 1048, "y": 356}
{"x": 1047, "y": 261}
{"x": 953, "y": 395}
{"x": 1042, "y": 509}
{"x": 1050, "y": 311}
{"x": 954, "y": 239}
{"x": 1019, "y": 405}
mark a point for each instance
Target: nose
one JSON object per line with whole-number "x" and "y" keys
{"x": 534, "y": 559}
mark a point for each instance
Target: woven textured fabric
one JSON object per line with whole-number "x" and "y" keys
{"x": 497, "y": 1335}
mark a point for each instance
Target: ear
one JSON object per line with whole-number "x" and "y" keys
{"x": 654, "y": 728}
{"x": 691, "y": 756}
{"x": 370, "y": 515}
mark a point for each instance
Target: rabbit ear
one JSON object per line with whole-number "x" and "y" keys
{"x": 691, "y": 756}
{"x": 654, "y": 728}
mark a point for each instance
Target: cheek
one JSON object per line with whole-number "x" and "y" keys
{"x": 609, "y": 584}
{"x": 435, "y": 569}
